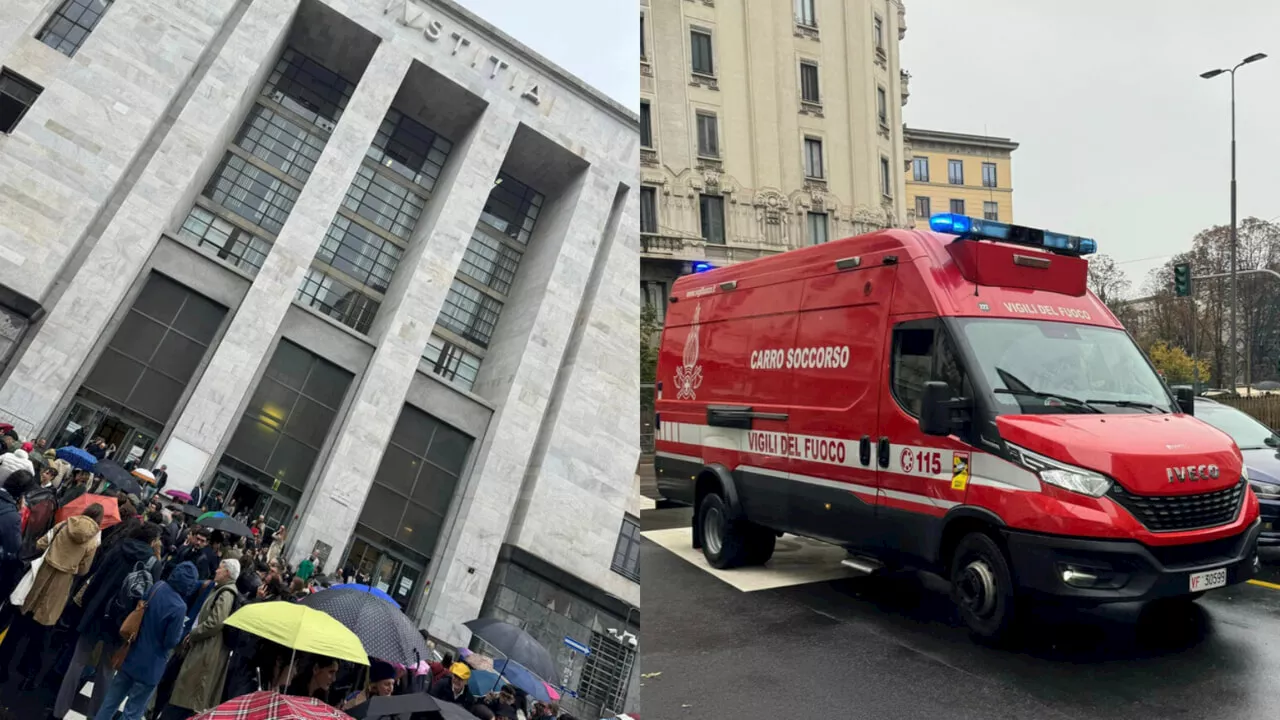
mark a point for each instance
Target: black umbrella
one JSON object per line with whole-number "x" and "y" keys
{"x": 226, "y": 524}
{"x": 191, "y": 510}
{"x": 515, "y": 644}
{"x": 451, "y": 711}
{"x": 391, "y": 706}
{"x": 112, "y": 472}
{"x": 386, "y": 632}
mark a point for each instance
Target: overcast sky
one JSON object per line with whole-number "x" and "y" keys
{"x": 597, "y": 40}
{"x": 1120, "y": 139}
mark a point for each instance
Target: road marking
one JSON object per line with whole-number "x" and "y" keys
{"x": 1265, "y": 584}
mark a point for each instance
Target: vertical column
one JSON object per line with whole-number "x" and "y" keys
{"x": 213, "y": 406}
{"x": 67, "y": 336}
{"x": 529, "y": 347}
{"x": 405, "y": 323}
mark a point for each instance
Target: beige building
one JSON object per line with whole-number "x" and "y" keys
{"x": 953, "y": 172}
{"x": 766, "y": 125}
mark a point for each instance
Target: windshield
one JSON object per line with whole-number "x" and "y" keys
{"x": 1038, "y": 366}
{"x": 1248, "y": 433}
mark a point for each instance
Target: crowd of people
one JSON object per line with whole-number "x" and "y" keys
{"x": 81, "y": 587}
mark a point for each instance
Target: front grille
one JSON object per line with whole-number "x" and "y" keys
{"x": 1214, "y": 552}
{"x": 1169, "y": 513}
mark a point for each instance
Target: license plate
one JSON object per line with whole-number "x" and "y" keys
{"x": 1208, "y": 580}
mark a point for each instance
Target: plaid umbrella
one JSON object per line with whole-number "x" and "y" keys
{"x": 270, "y": 705}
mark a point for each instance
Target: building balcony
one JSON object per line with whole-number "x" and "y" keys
{"x": 671, "y": 247}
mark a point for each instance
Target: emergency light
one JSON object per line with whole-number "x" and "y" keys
{"x": 700, "y": 267}
{"x": 968, "y": 228}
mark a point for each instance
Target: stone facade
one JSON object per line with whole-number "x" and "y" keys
{"x": 551, "y": 416}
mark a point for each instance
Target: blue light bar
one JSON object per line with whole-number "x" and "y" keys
{"x": 968, "y": 228}
{"x": 700, "y": 267}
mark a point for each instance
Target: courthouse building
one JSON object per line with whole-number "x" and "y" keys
{"x": 369, "y": 269}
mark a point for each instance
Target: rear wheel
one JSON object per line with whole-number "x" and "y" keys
{"x": 982, "y": 587}
{"x": 731, "y": 543}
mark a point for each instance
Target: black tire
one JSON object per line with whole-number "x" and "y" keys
{"x": 982, "y": 588}
{"x": 725, "y": 543}
{"x": 760, "y": 545}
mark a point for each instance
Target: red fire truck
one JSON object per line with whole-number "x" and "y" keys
{"x": 955, "y": 401}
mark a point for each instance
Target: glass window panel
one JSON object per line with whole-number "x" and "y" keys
{"x": 253, "y": 442}
{"x": 700, "y": 43}
{"x": 252, "y": 193}
{"x": 410, "y": 149}
{"x": 491, "y": 262}
{"x": 200, "y": 318}
{"x": 449, "y": 449}
{"x": 160, "y": 299}
{"x": 283, "y": 143}
{"x": 138, "y": 336}
{"x": 510, "y": 204}
{"x": 383, "y": 510}
{"x": 470, "y": 313}
{"x": 291, "y": 462}
{"x": 334, "y": 298}
{"x": 435, "y": 489}
{"x": 271, "y": 404}
{"x": 178, "y": 356}
{"x": 309, "y": 422}
{"x": 414, "y": 430}
{"x": 114, "y": 375}
{"x": 309, "y": 89}
{"x": 327, "y": 383}
{"x": 384, "y": 202}
{"x": 398, "y": 469}
{"x": 420, "y": 529}
{"x": 71, "y": 23}
{"x": 290, "y": 365}
{"x": 360, "y": 253}
{"x": 17, "y": 95}
{"x": 646, "y": 126}
{"x": 156, "y": 396}
{"x": 452, "y": 362}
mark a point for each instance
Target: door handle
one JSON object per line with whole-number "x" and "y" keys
{"x": 864, "y": 450}
{"x": 882, "y": 451}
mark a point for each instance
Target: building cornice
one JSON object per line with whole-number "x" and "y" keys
{"x": 918, "y": 137}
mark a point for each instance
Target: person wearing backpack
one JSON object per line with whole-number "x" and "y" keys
{"x": 95, "y": 627}
{"x": 160, "y": 632}
{"x": 42, "y": 505}
{"x": 204, "y": 666}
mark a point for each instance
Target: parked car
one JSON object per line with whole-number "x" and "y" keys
{"x": 1261, "y": 449}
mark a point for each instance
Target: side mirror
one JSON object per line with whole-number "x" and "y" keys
{"x": 1186, "y": 400}
{"x": 935, "y": 409}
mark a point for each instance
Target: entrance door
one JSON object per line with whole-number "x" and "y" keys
{"x": 386, "y": 570}
{"x": 135, "y": 447}
{"x": 80, "y": 426}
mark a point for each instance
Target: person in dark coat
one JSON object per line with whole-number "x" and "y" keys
{"x": 162, "y": 629}
{"x": 129, "y": 554}
{"x": 15, "y": 486}
{"x": 453, "y": 687}
{"x": 42, "y": 505}
{"x": 197, "y": 496}
{"x": 194, "y": 551}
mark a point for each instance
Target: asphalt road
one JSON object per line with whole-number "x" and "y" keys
{"x": 893, "y": 647}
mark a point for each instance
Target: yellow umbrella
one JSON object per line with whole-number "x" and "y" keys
{"x": 300, "y": 628}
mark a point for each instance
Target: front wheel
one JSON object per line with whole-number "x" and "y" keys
{"x": 982, "y": 587}
{"x": 730, "y": 543}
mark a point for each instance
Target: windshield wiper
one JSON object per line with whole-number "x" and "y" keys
{"x": 1129, "y": 403}
{"x": 1017, "y": 387}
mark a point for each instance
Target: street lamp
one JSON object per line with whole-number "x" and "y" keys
{"x": 1207, "y": 75}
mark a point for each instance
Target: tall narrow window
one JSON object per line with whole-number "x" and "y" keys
{"x": 805, "y": 14}
{"x": 648, "y": 210}
{"x": 886, "y": 178}
{"x": 708, "y": 135}
{"x": 643, "y": 53}
{"x": 626, "y": 553}
{"x": 882, "y": 107}
{"x": 990, "y": 211}
{"x": 711, "y": 208}
{"x": 813, "y": 158}
{"x": 700, "y": 44}
{"x": 817, "y": 228}
{"x": 923, "y": 209}
{"x": 957, "y": 207}
{"x": 17, "y": 95}
{"x": 71, "y": 24}
{"x": 988, "y": 174}
{"x": 878, "y": 33}
{"x": 646, "y": 126}
{"x": 955, "y": 172}
{"x": 920, "y": 169}
{"x": 809, "y": 82}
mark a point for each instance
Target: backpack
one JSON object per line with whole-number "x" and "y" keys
{"x": 133, "y": 589}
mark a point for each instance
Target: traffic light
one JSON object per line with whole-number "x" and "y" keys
{"x": 1182, "y": 280}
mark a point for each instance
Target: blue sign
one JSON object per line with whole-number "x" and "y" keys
{"x": 576, "y": 646}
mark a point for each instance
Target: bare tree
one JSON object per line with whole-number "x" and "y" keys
{"x": 1107, "y": 280}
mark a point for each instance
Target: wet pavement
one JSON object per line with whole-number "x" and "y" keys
{"x": 893, "y": 647}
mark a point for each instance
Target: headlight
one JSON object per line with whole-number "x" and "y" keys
{"x": 1265, "y": 490}
{"x": 1067, "y": 477}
